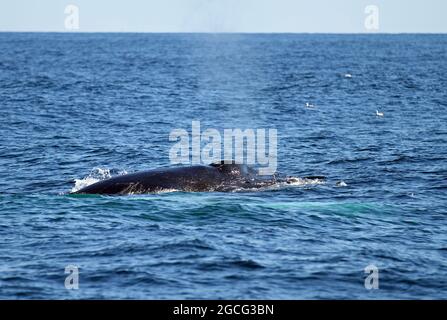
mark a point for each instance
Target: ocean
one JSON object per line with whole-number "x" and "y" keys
{"x": 77, "y": 108}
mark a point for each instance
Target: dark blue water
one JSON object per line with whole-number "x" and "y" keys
{"x": 84, "y": 106}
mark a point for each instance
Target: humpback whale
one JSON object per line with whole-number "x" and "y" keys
{"x": 220, "y": 176}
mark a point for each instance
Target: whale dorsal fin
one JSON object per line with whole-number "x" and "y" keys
{"x": 230, "y": 166}
{"x": 224, "y": 165}
{"x": 222, "y": 162}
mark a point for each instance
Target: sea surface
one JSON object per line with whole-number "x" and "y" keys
{"x": 76, "y": 108}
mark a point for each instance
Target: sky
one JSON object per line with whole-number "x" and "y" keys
{"x": 296, "y": 16}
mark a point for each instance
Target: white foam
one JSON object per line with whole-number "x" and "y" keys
{"x": 82, "y": 183}
{"x": 97, "y": 174}
{"x": 295, "y": 181}
{"x": 167, "y": 191}
{"x": 290, "y": 181}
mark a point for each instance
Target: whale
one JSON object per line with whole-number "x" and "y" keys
{"x": 221, "y": 176}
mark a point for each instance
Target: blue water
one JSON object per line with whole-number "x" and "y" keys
{"x": 80, "y": 106}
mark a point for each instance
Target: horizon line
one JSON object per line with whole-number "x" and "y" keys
{"x": 225, "y": 32}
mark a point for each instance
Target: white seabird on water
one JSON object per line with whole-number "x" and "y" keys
{"x": 379, "y": 114}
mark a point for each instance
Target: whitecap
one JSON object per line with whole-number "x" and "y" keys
{"x": 341, "y": 184}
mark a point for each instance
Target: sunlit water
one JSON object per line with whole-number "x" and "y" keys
{"x": 77, "y": 108}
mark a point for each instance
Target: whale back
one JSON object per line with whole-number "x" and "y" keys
{"x": 219, "y": 176}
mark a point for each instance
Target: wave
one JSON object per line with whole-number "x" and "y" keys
{"x": 347, "y": 160}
